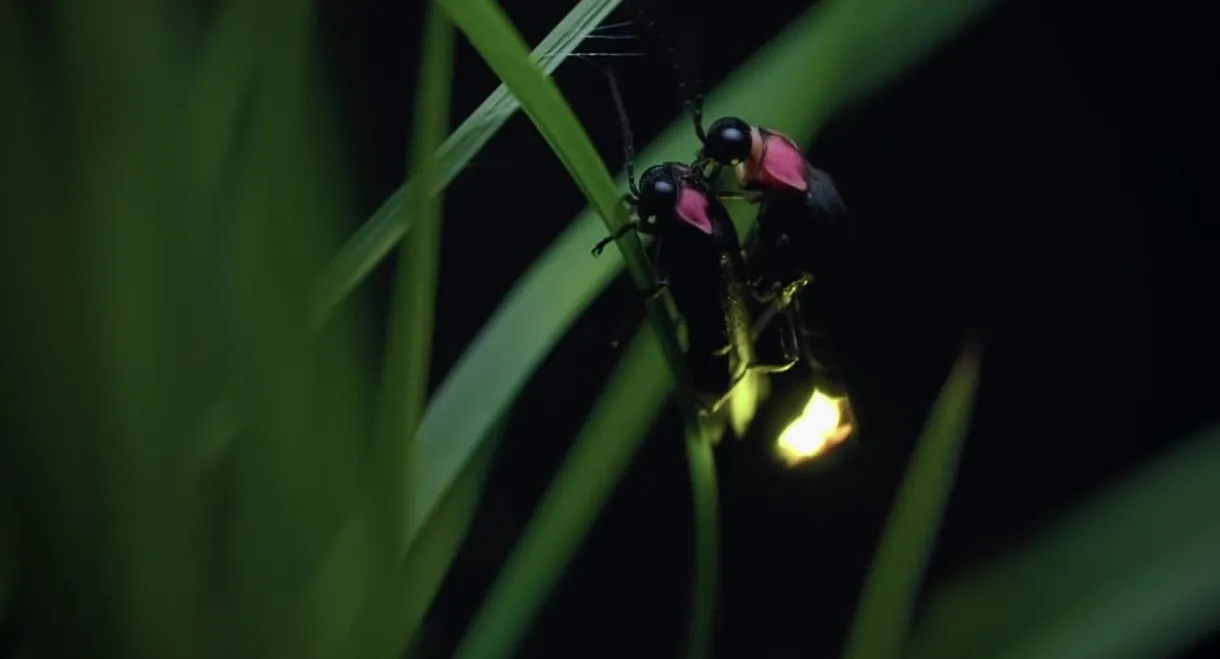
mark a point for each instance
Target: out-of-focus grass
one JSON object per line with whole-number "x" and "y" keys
{"x": 888, "y": 598}
{"x": 409, "y": 336}
{"x": 9, "y": 550}
{"x": 1132, "y": 574}
{"x": 377, "y": 237}
{"x": 151, "y": 269}
{"x": 405, "y": 375}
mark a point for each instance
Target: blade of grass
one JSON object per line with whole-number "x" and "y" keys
{"x": 1132, "y": 574}
{"x": 409, "y": 335}
{"x": 117, "y": 81}
{"x": 374, "y": 240}
{"x": 50, "y": 455}
{"x": 884, "y": 611}
{"x": 217, "y": 96}
{"x": 429, "y": 559}
{"x": 381, "y": 232}
{"x": 408, "y": 357}
{"x": 303, "y": 545}
{"x": 9, "y": 550}
{"x": 705, "y": 502}
{"x": 490, "y": 32}
{"x": 571, "y": 503}
{"x": 486, "y": 27}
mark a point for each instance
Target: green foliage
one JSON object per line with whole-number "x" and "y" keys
{"x": 1133, "y": 573}
{"x": 893, "y": 585}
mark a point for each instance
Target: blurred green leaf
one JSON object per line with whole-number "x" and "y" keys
{"x": 218, "y": 94}
{"x": 889, "y": 595}
{"x": 121, "y": 93}
{"x": 387, "y": 226}
{"x": 409, "y": 335}
{"x": 301, "y": 542}
{"x": 9, "y": 548}
{"x": 571, "y": 503}
{"x": 705, "y": 502}
{"x": 442, "y": 534}
{"x": 1132, "y": 574}
{"x": 482, "y": 392}
{"x": 222, "y": 86}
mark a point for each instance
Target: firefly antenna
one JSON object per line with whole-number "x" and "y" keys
{"x": 692, "y": 98}
{"x": 682, "y": 64}
{"x": 628, "y": 139}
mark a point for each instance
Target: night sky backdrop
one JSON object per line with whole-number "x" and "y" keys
{"x": 1046, "y": 176}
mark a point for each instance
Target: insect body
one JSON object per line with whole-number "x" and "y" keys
{"x": 800, "y": 212}
{"x": 699, "y": 259}
{"x": 799, "y": 237}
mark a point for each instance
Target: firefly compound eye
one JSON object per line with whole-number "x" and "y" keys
{"x": 728, "y": 141}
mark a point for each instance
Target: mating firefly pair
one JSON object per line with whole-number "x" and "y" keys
{"x": 698, "y": 258}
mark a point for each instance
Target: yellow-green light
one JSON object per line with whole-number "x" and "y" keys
{"x": 824, "y": 423}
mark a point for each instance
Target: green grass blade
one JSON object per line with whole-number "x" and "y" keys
{"x": 490, "y": 32}
{"x": 571, "y": 503}
{"x": 221, "y": 87}
{"x": 439, "y": 540}
{"x": 886, "y": 602}
{"x": 46, "y": 348}
{"x": 377, "y": 236}
{"x": 374, "y": 240}
{"x": 409, "y": 336}
{"x": 705, "y": 501}
{"x": 494, "y": 37}
{"x": 149, "y": 561}
{"x": 303, "y": 545}
{"x": 9, "y": 550}
{"x": 1132, "y": 574}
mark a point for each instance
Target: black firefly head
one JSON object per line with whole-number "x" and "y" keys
{"x": 729, "y": 142}
{"x": 657, "y": 197}
{"x": 671, "y": 195}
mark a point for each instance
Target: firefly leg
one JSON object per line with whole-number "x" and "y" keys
{"x": 791, "y": 347}
{"x": 714, "y": 405}
{"x": 801, "y": 326}
{"x": 710, "y": 408}
{"x": 791, "y": 357}
{"x": 748, "y": 196}
{"x": 660, "y": 285}
{"x": 660, "y": 274}
{"x": 622, "y": 231}
{"x": 656, "y": 291}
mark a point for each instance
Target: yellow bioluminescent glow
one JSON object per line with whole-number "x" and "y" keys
{"x": 824, "y": 423}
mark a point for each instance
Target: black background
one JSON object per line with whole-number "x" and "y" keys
{"x": 1045, "y": 175}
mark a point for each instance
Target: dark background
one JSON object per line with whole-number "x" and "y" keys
{"x": 1045, "y": 176}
